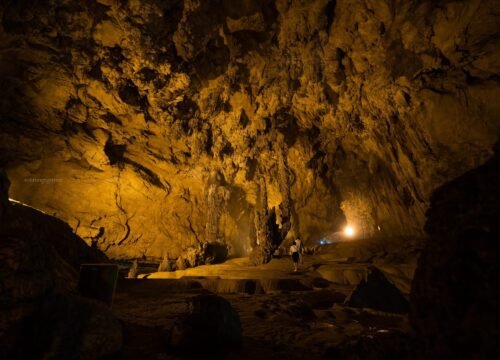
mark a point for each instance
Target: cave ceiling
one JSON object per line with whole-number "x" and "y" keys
{"x": 150, "y": 126}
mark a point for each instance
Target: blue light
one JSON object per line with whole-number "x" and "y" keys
{"x": 322, "y": 242}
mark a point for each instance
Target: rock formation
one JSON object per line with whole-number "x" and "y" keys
{"x": 40, "y": 258}
{"x": 269, "y": 231}
{"x": 376, "y": 292}
{"x": 202, "y": 254}
{"x": 132, "y": 272}
{"x": 71, "y": 327}
{"x": 455, "y": 292}
{"x": 165, "y": 265}
{"x": 117, "y": 114}
{"x": 211, "y": 325}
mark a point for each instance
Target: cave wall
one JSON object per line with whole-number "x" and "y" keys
{"x": 149, "y": 125}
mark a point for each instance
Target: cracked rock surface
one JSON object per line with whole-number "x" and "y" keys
{"x": 149, "y": 126}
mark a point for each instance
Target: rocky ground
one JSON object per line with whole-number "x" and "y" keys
{"x": 161, "y": 130}
{"x": 283, "y": 314}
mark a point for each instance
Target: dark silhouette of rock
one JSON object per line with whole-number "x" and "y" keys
{"x": 40, "y": 258}
{"x": 322, "y": 299}
{"x": 39, "y": 253}
{"x": 31, "y": 269}
{"x": 70, "y": 327}
{"x": 376, "y": 292}
{"x": 455, "y": 293}
{"x": 379, "y": 345}
{"x": 4, "y": 192}
{"x": 300, "y": 311}
{"x": 98, "y": 282}
{"x": 211, "y": 324}
{"x": 320, "y": 283}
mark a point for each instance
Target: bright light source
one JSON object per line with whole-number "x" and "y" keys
{"x": 348, "y": 231}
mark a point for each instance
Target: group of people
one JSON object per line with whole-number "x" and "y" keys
{"x": 296, "y": 251}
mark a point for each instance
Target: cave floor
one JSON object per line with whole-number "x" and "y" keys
{"x": 284, "y": 314}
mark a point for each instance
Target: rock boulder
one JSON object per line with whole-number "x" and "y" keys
{"x": 455, "y": 292}
{"x": 211, "y": 324}
{"x": 376, "y": 292}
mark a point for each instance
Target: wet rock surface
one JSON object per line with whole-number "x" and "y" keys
{"x": 455, "y": 291}
{"x": 172, "y": 114}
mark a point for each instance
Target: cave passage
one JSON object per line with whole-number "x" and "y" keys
{"x": 243, "y": 179}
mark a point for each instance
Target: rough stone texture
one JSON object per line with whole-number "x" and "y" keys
{"x": 39, "y": 256}
{"x": 165, "y": 265}
{"x": 378, "y": 293}
{"x": 39, "y": 253}
{"x": 211, "y": 325}
{"x": 132, "y": 272}
{"x": 148, "y": 125}
{"x": 202, "y": 254}
{"x": 455, "y": 293}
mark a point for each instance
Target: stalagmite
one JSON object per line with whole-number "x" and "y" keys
{"x": 186, "y": 145}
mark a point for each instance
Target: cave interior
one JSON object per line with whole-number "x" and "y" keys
{"x": 249, "y": 179}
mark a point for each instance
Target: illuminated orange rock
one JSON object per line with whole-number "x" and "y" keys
{"x": 115, "y": 116}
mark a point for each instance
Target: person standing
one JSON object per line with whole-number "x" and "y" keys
{"x": 298, "y": 243}
{"x": 294, "y": 251}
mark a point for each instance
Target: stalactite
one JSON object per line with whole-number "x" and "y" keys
{"x": 284, "y": 179}
{"x": 270, "y": 235}
{"x": 261, "y": 213}
{"x": 212, "y": 218}
{"x": 217, "y": 197}
{"x": 262, "y": 252}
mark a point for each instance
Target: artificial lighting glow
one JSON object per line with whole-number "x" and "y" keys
{"x": 349, "y": 231}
